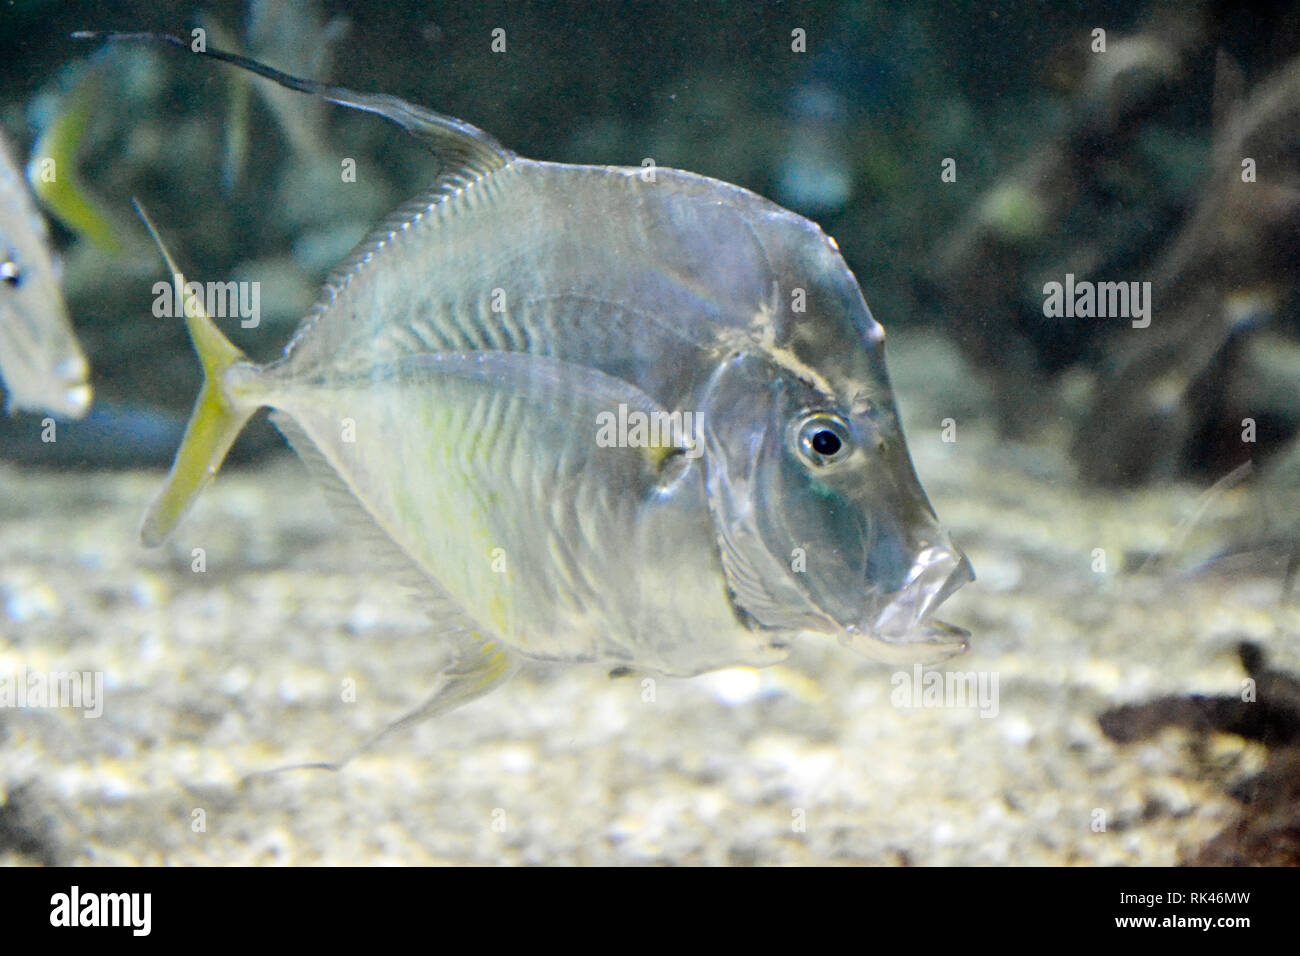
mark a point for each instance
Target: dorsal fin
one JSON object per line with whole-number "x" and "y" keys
{"x": 459, "y": 142}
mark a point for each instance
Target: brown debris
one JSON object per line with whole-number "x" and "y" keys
{"x": 1267, "y": 831}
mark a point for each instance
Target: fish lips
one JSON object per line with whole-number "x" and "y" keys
{"x": 902, "y": 632}
{"x": 62, "y": 391}
{"x": 73, "y": 399}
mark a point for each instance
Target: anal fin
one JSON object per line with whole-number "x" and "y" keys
{"x": 477, "y": 666}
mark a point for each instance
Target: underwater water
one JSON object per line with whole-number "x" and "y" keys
{"x": 1077, "y": 226}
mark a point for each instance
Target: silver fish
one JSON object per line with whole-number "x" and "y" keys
{"x": 454, "y": 382}
{"x": 41, "y": 363}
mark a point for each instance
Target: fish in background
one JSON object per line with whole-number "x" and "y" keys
{"x": 815, "y": 175}
{"x": 453, "y": 384}
{"x": 52, "y": 170}
{"x": 41, "y": 362}
{"x": 853, "y": 78}
{"x": 298, "y": 39}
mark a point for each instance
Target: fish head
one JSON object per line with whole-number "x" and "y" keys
{"x": 822, "y": 524}
{"x": 44, "y": 367}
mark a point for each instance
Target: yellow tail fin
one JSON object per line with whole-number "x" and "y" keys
{"x": 214, "y": 425}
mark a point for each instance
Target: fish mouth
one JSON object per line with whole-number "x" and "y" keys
{"x": 75, "y": 400}
{"x": 66, "y": 390}
{"x": 73, "y": 374}
{"x": 903, "y": 631}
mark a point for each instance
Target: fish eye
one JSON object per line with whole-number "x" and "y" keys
{"x": 822, "y": 439}
{"x": 10, "y": 274}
